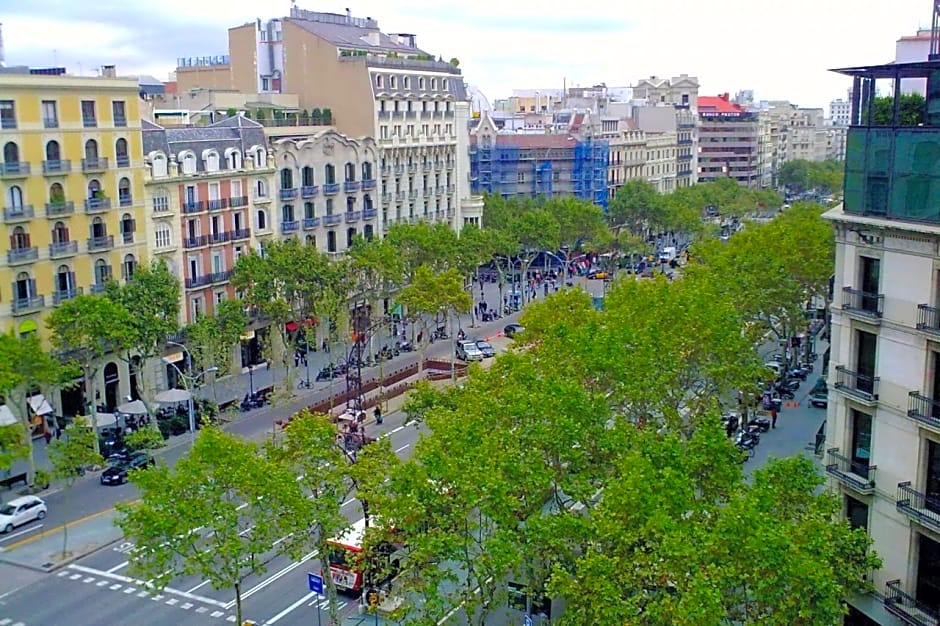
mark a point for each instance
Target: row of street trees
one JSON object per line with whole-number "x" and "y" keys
{"x": 800, "y": 175}
{"x": 589, "y": 467}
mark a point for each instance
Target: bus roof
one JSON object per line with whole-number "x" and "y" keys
{"x": 352, "y": 538}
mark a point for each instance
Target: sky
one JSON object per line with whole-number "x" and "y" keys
{"x": 780, "y": 50}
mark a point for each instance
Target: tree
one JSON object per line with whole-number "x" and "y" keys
{"x": 430, "y": 244}
{"x": 152, "y": 303}
{"x": 211, "y": 338}
{"x": 215, "y": 515}
{"x": 800, "y": 175}
{"x": 24, "y": 366}
{"x": 430, "y": 294}
{"x": 580, "y": 223}
{"x": 636, "y": 206}
{"x": 912, "y": 110}
{"x": 85, "y": 329}
{"x": 455, "y": 61}
{"x": 70, "y": 456}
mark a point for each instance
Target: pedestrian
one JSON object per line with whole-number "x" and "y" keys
{"x": 47, "y": 435}
{"x": 378, "y": 414}
{"x": 773, "y": 417}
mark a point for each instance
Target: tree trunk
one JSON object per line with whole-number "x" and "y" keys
{"x": 238, "y": 603}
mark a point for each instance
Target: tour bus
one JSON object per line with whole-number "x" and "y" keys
{"x": 349, "y": 568}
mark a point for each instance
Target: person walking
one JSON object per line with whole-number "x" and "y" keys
{"x": 378, "y": 414}
{"x": 773, "y": 417}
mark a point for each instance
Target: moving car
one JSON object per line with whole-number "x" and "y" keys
{"x": 117, "y": 473}
{"x": 597, "y": 274}
{"x": 19, "y": 511}
{"x": 485, "y": 348}
{"x": 511, "y": 330}
{"x": 468, "y": 351}
{"x": 819, "y": 394}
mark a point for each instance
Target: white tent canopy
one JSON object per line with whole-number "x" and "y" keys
{"x": 40, "y": 405}
{"x": 135, "y": 407}
{"x": 6, "y": 416}
{"x": 171, "y": 396}
{"x": 103, "y": 420}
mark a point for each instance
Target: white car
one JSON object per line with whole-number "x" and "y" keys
{"x": 19, "y": 511}
{"x": 468, "y": 351}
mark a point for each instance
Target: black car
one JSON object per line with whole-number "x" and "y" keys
{"x": 485, "y": 348}
{"x": 116, "y": 474}
{"x": 513, "y": 329}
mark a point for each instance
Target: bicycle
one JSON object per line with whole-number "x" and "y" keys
{"x": 305, "y": 384}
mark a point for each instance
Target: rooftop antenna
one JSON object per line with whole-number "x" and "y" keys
{"x": 935, "y": 32}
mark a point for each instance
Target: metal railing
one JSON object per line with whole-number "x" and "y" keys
{"x": 59, "y": 296}
{"x": 220, "y": 237}
{"x": 30, "y": 303}
{"x": 309, "y": 191}
{"x": 18, "y": 213}
{"x": 97, "y": 204}
{"x": 63, "y": 248}
{"x": 195, "y": 242}
{"x": 14, "y": 168}
{"x": 332, "y": 220}
{"x": 352, "y": 216}
{"x": 241, "y": 233}
{"x": 220, "y": 277}
{"x": 331, "y": 188}
{"x": 238, "y": 201}
{"x": 290, "y": 226}
{"x": 197, "y": 206}
{"x": 56, "y": 166}
{"x": 351, "y": 185}
{"x": 907, "y": 607}
{"x": 103, "y": 242}
{"x": 311, "y": 223}
{"x": 22, "y": 255}
{"x": 123, "y": 160}
{"x": 288, "y": 193}
{"x": 866, "y": 303}
{"x": 368, "y": 214}
{"x": 860, "y": 476}
{"x": 857, "y": 384}
{"x": 198, "y": 281}
{"x": 368, "y": 183}
{"x": 93, "y": 164}
{"x": 928, "y": 318}
{"x": 218, "y": 204}
{"x": 923, "y": 409}
{"x": 919, "y": 506}
{"x": 89, "y": 121}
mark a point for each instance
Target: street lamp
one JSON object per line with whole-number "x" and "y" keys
{"x": 189, "y": 381}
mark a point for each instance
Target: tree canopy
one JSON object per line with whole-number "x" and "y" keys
{"x": 800, "y": 175}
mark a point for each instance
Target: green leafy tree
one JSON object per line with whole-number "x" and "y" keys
{"x": 152, "y": 303}
{"x": 212, "y": 338}
{"x": 433, "y": 295}
{"x": 637, "y": 207}
{"x": 430, "y": 244}
{"x": 24, "y": 366}
{"x": 217, "y": 514}
{"x": 800, "y": 175}
{"x": 147, "y": 438}
{"x": 85, "y": 330}
{"x": 912, "y": 110}
{"x": 580, "y": 223}
{"x": 70, "y": 456}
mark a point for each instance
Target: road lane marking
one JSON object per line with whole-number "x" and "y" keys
{"x": 273, "y": 578}
{"x": 75, "y": 576}
{"x": 117, "y": 567}
{"x": 25, "y": 531}
{"x": 186, "y": 605}
{"x": 129, "y": 590}
{"x": 217, "y": 613}
{"x": 396, "y": 430}
{"x": 291, "y": 608}
{"x": 202, "y": 584}
{"x": 140, "y": 583}
{"x": 403, "y": 448}
{"x": 90, "y": 579}
{"x": 5, "y": 621}
{"x": 350, "y": 501}
{"x": 172, "y": 601}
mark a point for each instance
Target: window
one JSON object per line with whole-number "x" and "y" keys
{"x": 856, "y": 512}
{"x": 162, "y": 236}
{"x": 128, "y": 267}
{"x": 238, "y": 221}
{"x": 15, "y": 197}
{"x": 866, "y": 347}
{"x": 928, "y": 573}
{"x": 53, "y": 151}
{"x": 233, "y": 159}
{"x": 521, "y": 177}
{"x": 287, "y": 178}
{"x": 89, "y": 118}
{"x": 91, "y": 150}
{"x": 56, "y": 194}
{"x": 124, "y": 192}
{"x": 287, "y": 213}
{"x": 25, "y": 287}
{"x": 421, "y": 84}
{"x": 329, "y": 206}
{"x": 60, "y": 234}
{"x": 444, "y": 85}
{"x": 309, "y": 212}
{"x": 188, "y": 163}
{"x": 350, "y": 204}
{"x": 330, "y": 174}
{"x": 261, "y": 188}
{"x": 161, "y": 203}
{"x": 94, "y": 190}
{"x": 870, "y": 281}
{"x": 128, "y": 226}
{"x": 7, "y": 114}
{"x": 306, "y": 176}
{"x": 196, "y": 307}
{"x": 65, "y": 280}
{"x": 434, "y": 85}
{"x": 19, "y": 240}
{"x": 99, "y": 228}
{"x": 331, "y": 241}
{"x": 261, "y": 220}
{"x": 312, "y": 241}
{"x": 406, "y": 83}
{"x": 158, "y": 166}
{"x": 367, "y": 170}
{"x": 120, "y": 152}
{"x": 50, "y": 114}
{"x": 11, "y": 154}
{"x": 861, "y": 443}
{"x": 350, "y": 172}
{"x": 378, "y": 81}
{"x": 393, "y": 82}
{"x": 210, "y": 159}
{"x": 102, "y": 272}
{"x": 350, "y": 236}
{"x": 118, "y": 113}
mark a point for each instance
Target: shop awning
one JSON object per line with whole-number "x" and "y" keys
{"x": 6, "y": 416}
{"x": 39, "y": 405}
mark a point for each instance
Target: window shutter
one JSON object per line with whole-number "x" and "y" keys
{"x": 71, "y": 280}
{"x": 12, "y": 242}
{"x": 65, "y": 235}
{"x": 26, "y": 240}
{"x": 32, "y": 287}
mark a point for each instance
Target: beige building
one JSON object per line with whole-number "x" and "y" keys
{"x": 374, "y": 84}
{"x": 660, "y": 166}
{"x": 670, "y": 106}
{"x": 627, "y": 156}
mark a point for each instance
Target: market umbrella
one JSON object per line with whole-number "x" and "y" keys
{"x": 133, "y": 408}
{"x": 172, "y": 396}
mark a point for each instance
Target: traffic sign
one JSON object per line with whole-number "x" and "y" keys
{"x": 526, "y": 620}
{"x": 315, "y": 582}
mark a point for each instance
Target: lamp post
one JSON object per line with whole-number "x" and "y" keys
{"x": 189, "y": 381}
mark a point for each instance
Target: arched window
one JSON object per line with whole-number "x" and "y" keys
{"x": 128, "y": 267}
{"x": 11, "y": 152}
{"x": 329, "y": 172}
{"x": 309, "y": 212}
{"x": 350, "y": 173}
{"x": 99, "y": 228}
{"x": 19, "y": 239}
{"x": 163, "y": 236}
{"x": 234, "y": 159}
{"x": 350, "y": 235}
{"x": 312, "y": 241}
{"x": 91, "y": 150}
{"x": 287, "y": 213}
{"x": 211, "y": 160}
{"x": 25, "y": 288}
{"x": 350, "y": 204}
{"x": 366, "y": 202}
{"x": 287, "y": 178}
{"x": 128, "y": 226}
{"x": 56, "y": 194}
{"x": 60, "y": 234}
{"x": 120, "y": 152}
{"x": 158, "y": 165}
{"x": 367, "y": 170}
{"x": 331, "y": 241}
{"x": 65, "y": 282}
{"x": 260, "y": 156}
{"x": 306, "y": 176}
{"x": 15, "y": 197}
{"x": 262, "y": 219}
{"x": 124, "y": 192}
{"x": 94, "y": 189}
{"x": 188, "y": 163}
{"x": 53, "y": 151}
{"x": 102, "y": 272}
{"x": 368, "y": 233}
{"x": 261, "y": 188}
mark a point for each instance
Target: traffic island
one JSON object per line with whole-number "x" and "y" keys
{"x": 42, "y": 550}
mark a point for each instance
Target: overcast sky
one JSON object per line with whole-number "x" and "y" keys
{"x": 781, "y": 50}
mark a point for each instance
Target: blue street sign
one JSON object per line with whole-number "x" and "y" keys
{"x": 315, "y": 582}
{"x": 526, "y": 620}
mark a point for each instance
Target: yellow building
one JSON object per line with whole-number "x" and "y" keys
{"x": 72, "y": 183}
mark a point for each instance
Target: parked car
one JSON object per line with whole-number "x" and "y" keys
{"x": 468, "y": 351}
{"x": 117, "y": 473}
{"x": 819, "y": 394}
{"x": 511, "y": 330}
{"x": 486, "y": 349}
{"x": 597, "y": 274}
{"x": 19, "y": 511}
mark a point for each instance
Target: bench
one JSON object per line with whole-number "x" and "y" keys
{"x": 9, "y": 481}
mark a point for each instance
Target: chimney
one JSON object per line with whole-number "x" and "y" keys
{"x": 348, "y": 15}
{"x": 108, "y": 71}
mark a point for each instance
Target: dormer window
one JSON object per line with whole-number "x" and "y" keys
{"x": 444, "y": 84}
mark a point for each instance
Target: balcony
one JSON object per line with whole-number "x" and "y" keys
{"x": 288, "y": 194}
{"x": 868, "y": 306}
{"x": 56, "y": 166}
{"x": 353, "y": 216}
{"x": 923, "y": 509}
{"x": 399, "y": 170}
{"x": 220, "y": 277}
{"x": 261, "y": 199}
{"x": 400, "y": 195}
{"x": 218, "y": 204}
{"x": 14, "y": 169}
{"x": 238, "y": 202}
{"x": 94, "y": 205}
{"x": 57, "y": 209}
{"x": 195, "y": 242}
{"x": 50, "y": 122}
{"x": 100, "y": 287}
{"x": 684, "y": 142}
{"x": 351, "y": 186}
{"x": 63, "y": 249}
{"x": 95, "y": 164}
{"x": 309, "y": 191}
{"x": 125, "y": 200}
{"x": 386, "y": 170}
{"x": 907, "y": 607}
{"x": 923, "y": 409}
{"x": 412, "y": 168}
{"x": 195, "y": 206}
{"x": 928, "y": 319}
{"x": 368, "y": 214}
{"x": 428, "y": 192}
{"x": 89, "y": 121}
{"x": 12, "y": 214}
{"x": 241, "y": 233}
{"x": 368, "y": 183}
{"x": 22, "y": 255}
{"x": 852, "y": 474}
{"x": 290, "y": 227}
{"x": 30, "y": 304}
{"x": 386, "y": 197}
{"x": 220, "y": 237}
{"x": 311, "y": 222}
{"x": 123, "y": 160}
{"x": 102, "y": 242}
{"x": 859, "y": 386}
{"x": 120, "y": 121}
{"x": 413, "y": 194}
{"x": 60, "y": 296}
{"x": 331, "y": 189}
{"x": 332, "y": 220}
{"x": 199, "y": 281}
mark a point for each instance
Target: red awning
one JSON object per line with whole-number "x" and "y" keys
{"x": 290, "y": 326}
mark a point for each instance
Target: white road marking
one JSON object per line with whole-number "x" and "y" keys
{"x": 158, "y": 597}
{"x": 20, "y": 624}
{"x": 115, "y": 587}
{"x": 202, "y": 584}
{"x": 102, "y": 583}
{"x": 404, "y": 447}
{"x": 201, "y": 609}
{"x": 140, "y": 583}
{"x": 230, "y": 618}
{"x": 348, "y": 502}
{"x": 90, "y": 579}
{"x": 75, "y": 576}
{"x": 143, "y": 594}
{"x": 411, "y": 422}
{"x": 396, "y": 430}
{"x": 5, "y": 621}
{"x": 273, "y": 578}
{"x": 117, "y": 567}
{"x": 64, "y": 572}
{"x": 291, "y": 608}
{"x": 25, "y": 531}
{"x": 172, "y": 601}
{"x": 217, "y": 613}
{"x": 129, "y": 590}
{"x": 186, "y": 605}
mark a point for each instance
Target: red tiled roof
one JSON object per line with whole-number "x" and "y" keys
{"x": 578, "y": 120}
{"x": 535, "y": 141}
{"x": 718, "y": 104}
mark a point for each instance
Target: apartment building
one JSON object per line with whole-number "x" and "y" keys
{"x": 883, "y": 423}
{"x": 327, "y": 187}
{"x": 627, "y": 158}
{"x": 729, "y": 142}
{"x": 375, "y": 84}
{"x": 660, "y": 166}
{"x": 680, "y": 94}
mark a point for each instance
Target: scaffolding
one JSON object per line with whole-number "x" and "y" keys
{"x": 590, "y": 171}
